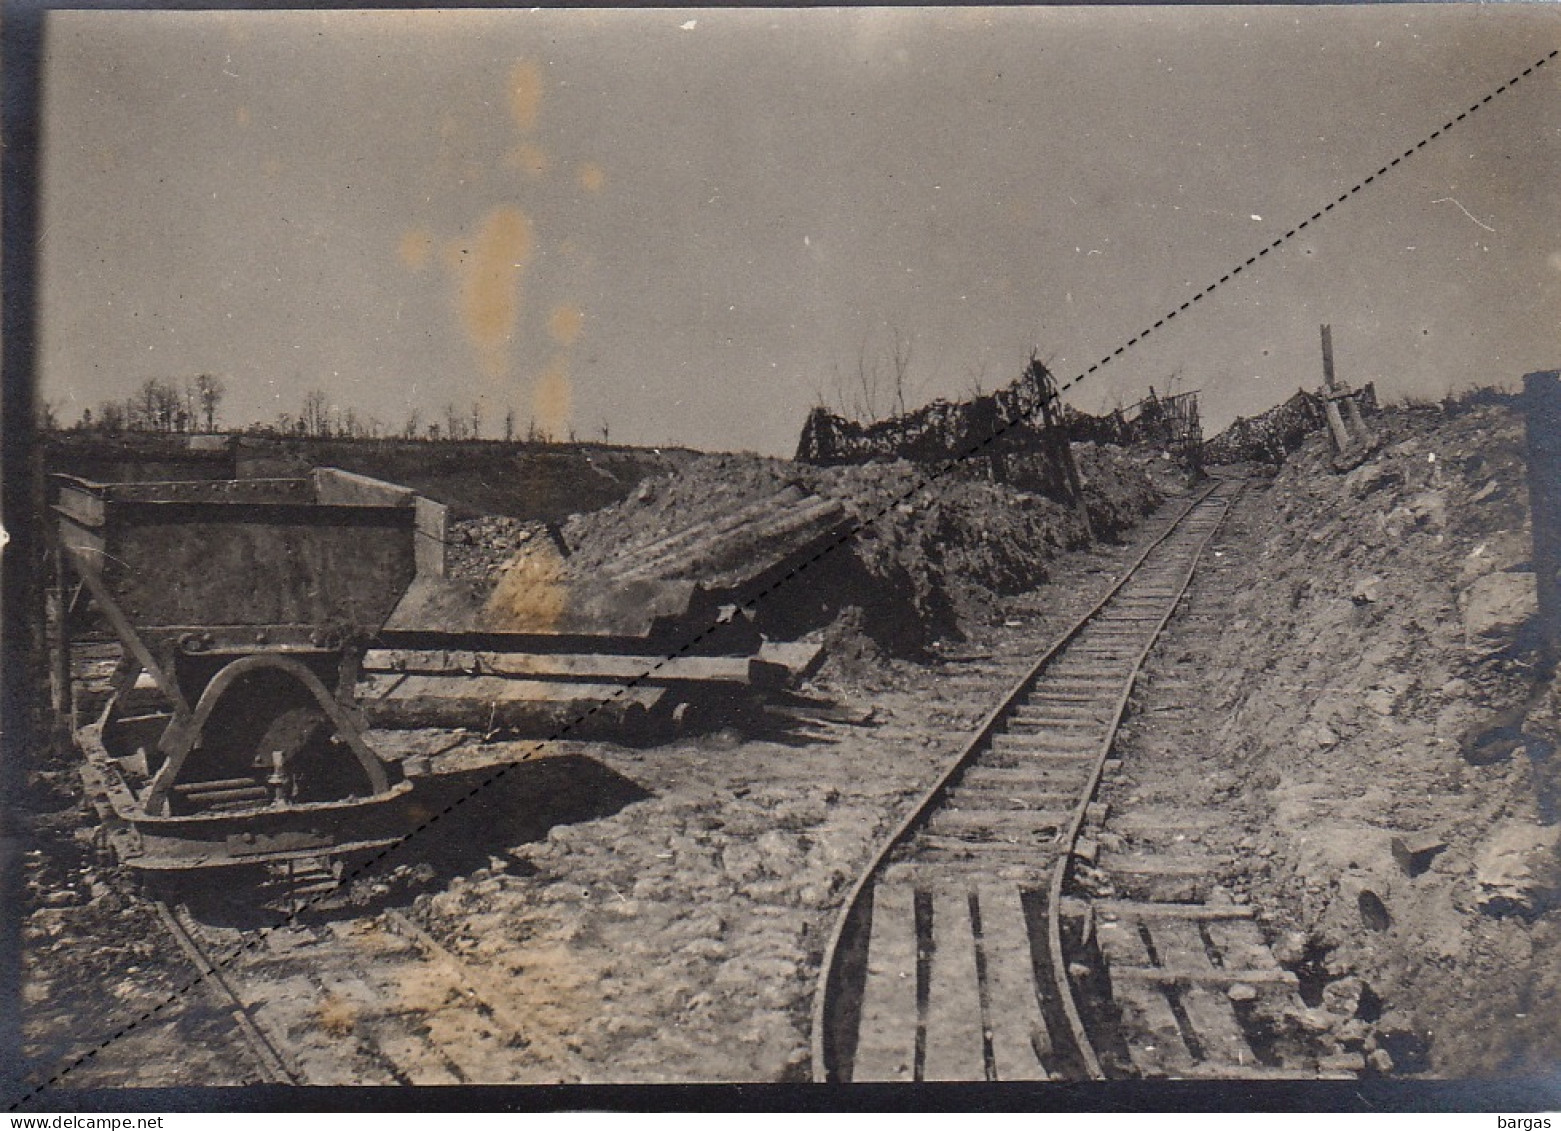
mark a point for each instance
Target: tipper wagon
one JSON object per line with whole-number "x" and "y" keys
{"x": 263, "y": 625}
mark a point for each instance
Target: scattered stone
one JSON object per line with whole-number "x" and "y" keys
{"x": 1519, "y": 869}
{"x": 1367, "y": 591}
{"x": 1241, "y": 991}
{"x": 1414, "y": 852}
{"x": 1371, "y": 477}
{"x": 1380, "y": 1061}
{"x": 1497, "y": 605}
{"x": 1342, "y": 1062}
{"x": 1290, "y": 948}
{"x": 1342, "y": 996}
{"x": 1352, "y": 1033}
{"x": 1485, "y": 492}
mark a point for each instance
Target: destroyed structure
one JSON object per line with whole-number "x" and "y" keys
{"x": 1019, "y": 434}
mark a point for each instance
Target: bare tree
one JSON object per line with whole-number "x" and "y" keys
{"x": 208, "y": 393}
{"x": 414, "y": 424}
{"x": 509, "y": 426}
{"x": 111, "y": 417}
{"x": 189, "y": 406}
{"x": 455, "y": 422}
{"x": 606, "y": 432}
{"x": 316, "y": 415}
{"x": 976, "y": 378}
{"x": 901, "y": 349}
{"x": 476, "y": 420}
{"x": 155, "y": 406}
{"x": 882, "y": 379}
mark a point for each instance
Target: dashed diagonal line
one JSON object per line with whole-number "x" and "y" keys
{"x": 922, "y": 483}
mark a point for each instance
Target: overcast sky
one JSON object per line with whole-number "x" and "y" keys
{"x": 688, "y": 225}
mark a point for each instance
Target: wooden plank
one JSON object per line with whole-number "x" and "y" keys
{"x": 954, "y": 1030}
{"x": 1179, "y": 944}
{"x": 1041, "y": 775}
{"x": 1120, "y": 944}
{"x": 1148, "y": 820}
{"x": 1213, "y": 1019}
{"x": 1200, "y": 911}
{"x": 930, "y": 873}
{"x": 1020, "y": 1041}
{"x": 493, "y": 689}
{"x": 1212, "y": 1071}
{"x": 1015, "y": 799}
{"x": 1192, "y": 976}
{"x": 886, "y": 1037}
{"x": 1153, "y": 1037}
{"x": 1076, "y": 763}
{"x": 1035, "y": 853}
{"x": 1028, "y": 823}
{"x": 601, "y": 668}
{"x": 1029, "y": 720}
{"x": 785, "y": 661}
{"x": 1138, "y": 865}
{"x": 1048, "y": 741}
{"x": 487, "y": 702}
{"x": 1066, "y": 682}
{"x": 1241, "y": 944}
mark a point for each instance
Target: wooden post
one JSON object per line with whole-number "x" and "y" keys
{"x": 1341, "y": 437}
{"x": 1056, "y": 433}
{"x": 1542, "y": 412}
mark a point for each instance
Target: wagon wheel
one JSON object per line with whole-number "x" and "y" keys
{"x": 265, "y": 731}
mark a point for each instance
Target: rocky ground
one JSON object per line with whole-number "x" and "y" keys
{"x": 660, "y": 910}
{"x": 1368, "y": 706}
{"x": 1380, "y": 728}
{"x": 679, "y": 938}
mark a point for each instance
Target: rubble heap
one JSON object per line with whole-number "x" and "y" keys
{"x": 1392, "y": 714}
{"x": 1273, "y": 435}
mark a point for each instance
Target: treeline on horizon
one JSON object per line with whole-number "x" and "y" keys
{"x": 161, "y": 406}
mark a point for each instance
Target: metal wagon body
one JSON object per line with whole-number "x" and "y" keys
{"x": 241, "y": 608}
{"x": 262, "y": 624}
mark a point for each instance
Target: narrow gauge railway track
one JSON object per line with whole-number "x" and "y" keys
{"x": 367, "y": 1000}
{"x": 960, "y": 954}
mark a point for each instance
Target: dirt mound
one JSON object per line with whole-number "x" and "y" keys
{"x": 927, "y": 557}
{"x": 1390, "y": 708}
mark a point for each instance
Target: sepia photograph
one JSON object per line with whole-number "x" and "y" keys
{"x": 1015, "y": 546}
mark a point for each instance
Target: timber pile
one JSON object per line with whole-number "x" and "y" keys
{"x": 657, "y": 634}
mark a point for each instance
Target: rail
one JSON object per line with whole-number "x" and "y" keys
{"x": 1211, "y": 505}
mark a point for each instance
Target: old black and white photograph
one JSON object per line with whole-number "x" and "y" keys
{"x": 786, "y": 546}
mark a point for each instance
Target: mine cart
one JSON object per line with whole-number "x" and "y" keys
{"x": 262, "y": 624}
{"x": 229, "y": 734}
